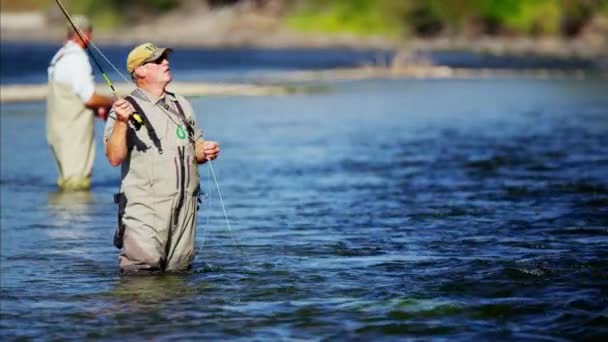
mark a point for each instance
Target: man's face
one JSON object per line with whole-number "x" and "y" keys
{"x": 87, "y": 35}
{"x": 157, "y": 71}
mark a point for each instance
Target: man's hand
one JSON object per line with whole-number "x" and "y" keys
{"x": 116, "y": 145}
{"x": 123, "y": 109}
{"x": 206, "y": 150}
{"x": 102, "y": 113}
{"x": 98, "y": 101}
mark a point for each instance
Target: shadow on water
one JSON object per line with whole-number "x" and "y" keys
{"x": 151, "y": 290}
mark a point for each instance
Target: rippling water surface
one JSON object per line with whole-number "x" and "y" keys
{"x": 451, "y": 209}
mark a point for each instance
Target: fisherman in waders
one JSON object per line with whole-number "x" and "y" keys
{"x": 71, "y": 104}
{"x": 159, "y": 156}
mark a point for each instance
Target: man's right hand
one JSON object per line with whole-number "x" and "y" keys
{"x": 123, "y": 110}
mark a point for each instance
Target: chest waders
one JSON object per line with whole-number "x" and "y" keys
{"x": 70, "y": 135}
{"x": 159, "y": 192}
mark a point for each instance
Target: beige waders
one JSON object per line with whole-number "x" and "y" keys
{"x": 71, "y": 136}
{"x": 159, "y": 191}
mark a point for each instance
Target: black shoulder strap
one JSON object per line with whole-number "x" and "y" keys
{"x": 179, "y": 108}
{"x": 178, "y": 105}
{"x": 149, "y": 128}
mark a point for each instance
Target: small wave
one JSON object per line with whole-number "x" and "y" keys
{"x": 494, "y": 163}
{"x": 591, "y": 231}
{"x": 342, "y": 249}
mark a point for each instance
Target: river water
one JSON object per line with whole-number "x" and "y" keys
{"x": 378, "y": 210}
{"x": 26, "y": 62}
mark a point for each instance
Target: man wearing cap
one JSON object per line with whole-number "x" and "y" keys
{"x": 153, "y": 135}
{"x": 71, "y": 103}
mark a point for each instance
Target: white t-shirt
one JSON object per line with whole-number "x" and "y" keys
{"x": 71, "y": 66}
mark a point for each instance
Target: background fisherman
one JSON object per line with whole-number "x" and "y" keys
{"x": 71, "y": 103}
{"x": 159, "y": 167}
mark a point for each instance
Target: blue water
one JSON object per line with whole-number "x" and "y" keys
{"x": 379, "y": 210}
{"x": 25, "y": 62}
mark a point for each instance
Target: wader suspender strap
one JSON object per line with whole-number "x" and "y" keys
{"x": 182, "y": 168}
{"x": 182, "y": 115}
{"x": 60, "y": 55}
{"x": 54, "y": 62}
{"x": 181, "y": 152}
{"x": 186, "y": 122}
{"x": 149, "y": 128}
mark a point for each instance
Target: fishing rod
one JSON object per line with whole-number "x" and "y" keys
{"x": 136, "y": 117}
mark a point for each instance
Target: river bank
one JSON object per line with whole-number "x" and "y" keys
{"x": 240, "y": 26}
{"x": 237, "y": 29}
{"x": 309, "y": 81}
{"x": 38, "y": 92}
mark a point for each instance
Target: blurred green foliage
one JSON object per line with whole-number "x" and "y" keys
{"x": 110, "y": 13}
{"x": 357, "y": 16}
{"x": 103, "y": 13}
{"x": 397, "y": 18}
{"x": 433, "y": 17}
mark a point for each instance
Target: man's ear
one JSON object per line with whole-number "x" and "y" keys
{"x": 139, "y": 72}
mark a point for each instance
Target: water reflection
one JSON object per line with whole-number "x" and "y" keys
{"x": 68, "y": 206}
{"x": 151, "y": 289}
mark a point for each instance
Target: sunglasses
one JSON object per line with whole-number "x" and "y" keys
{"x": 159, "y": 60}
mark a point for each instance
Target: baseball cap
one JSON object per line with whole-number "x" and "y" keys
{"x": 143, "y": 53}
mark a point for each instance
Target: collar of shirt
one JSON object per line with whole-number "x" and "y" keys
{"x": 71, "y": 45}
{"x": 155, "y": 99}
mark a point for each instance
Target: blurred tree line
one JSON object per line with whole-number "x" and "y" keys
{"x": 429, "y": 18}
{"x": 398, "y": 18}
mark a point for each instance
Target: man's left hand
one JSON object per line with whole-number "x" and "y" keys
{"x": 207, "y": 150}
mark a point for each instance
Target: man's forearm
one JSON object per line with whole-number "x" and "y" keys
{"x": 116, "y": 146}
{"x": 96, "y": 101}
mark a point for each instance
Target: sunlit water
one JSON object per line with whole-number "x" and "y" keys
{"x": 449, "y": 209}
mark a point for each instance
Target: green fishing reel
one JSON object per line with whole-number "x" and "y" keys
{"x": 137, "y": 121}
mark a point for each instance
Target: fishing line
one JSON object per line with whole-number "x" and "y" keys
{"x": 135, "y": 116}
{"x": 76, "y": 29}
{"x": 219, "y": 192}
{"x": 207, "y": 199}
